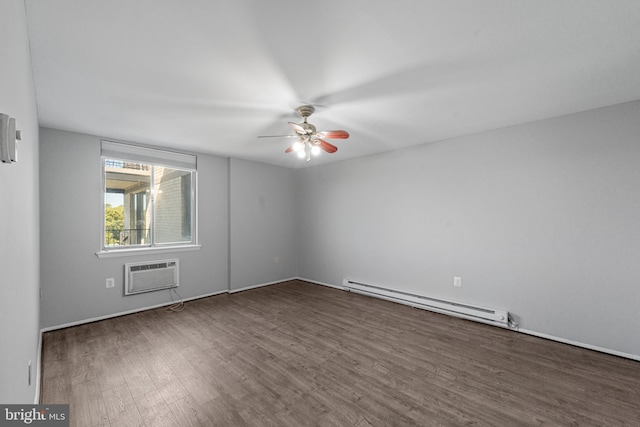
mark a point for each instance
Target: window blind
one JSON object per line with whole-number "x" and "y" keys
{"x": 138, "y": 154}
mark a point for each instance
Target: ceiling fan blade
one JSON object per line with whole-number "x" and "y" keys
{"x": 278, "y": 136}
{"x": 297, "y": 128}
{"x": 333, "y": 134}
{"x": 329, "y": 148}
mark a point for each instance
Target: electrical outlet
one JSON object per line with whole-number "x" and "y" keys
{"x": 457, "y": 281}
{"x": 111, "y": 282}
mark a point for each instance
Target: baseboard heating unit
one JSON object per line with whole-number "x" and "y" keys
{"x": 151, "y": 276}
{"x": 479, "y": 314}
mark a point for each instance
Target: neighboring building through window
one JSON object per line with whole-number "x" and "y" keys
{"x": 149, "y": 197}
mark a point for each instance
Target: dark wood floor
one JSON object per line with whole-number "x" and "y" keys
{"x": 297, "y": 354}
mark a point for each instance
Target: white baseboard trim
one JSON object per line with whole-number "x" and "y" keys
{"x": 315, "y": 282}
{"x": 580, "y": 344}
{"x": 124, "y": 313}
{"x": 527, "y": 331}
{"x": 260, "y": 285}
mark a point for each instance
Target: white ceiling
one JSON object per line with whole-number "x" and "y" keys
{"x": 210, "y": 76}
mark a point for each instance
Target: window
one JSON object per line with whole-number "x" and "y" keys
{"x": 149, "y": 197}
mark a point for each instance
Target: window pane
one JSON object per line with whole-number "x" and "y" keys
{"x": 127, "y": 200}
{"x": 172, "y": 205}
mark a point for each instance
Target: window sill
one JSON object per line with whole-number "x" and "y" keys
{"x": 114, "y": 253}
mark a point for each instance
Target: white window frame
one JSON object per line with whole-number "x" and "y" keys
{"x": 155, "y": 157}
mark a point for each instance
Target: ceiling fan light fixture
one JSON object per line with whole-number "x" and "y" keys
{"x": 310, "y": 142}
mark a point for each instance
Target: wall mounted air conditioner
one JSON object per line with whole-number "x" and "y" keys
{"x": 150, "y": 276}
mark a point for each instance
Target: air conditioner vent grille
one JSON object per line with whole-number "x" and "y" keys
{"x": 153, "y": 266}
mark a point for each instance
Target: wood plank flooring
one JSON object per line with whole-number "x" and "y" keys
{"x": 296, "y": 354}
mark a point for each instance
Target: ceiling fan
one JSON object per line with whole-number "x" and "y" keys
{"x": 309, "y": 140}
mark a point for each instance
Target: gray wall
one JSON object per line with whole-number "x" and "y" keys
{"x": 19, "y": 233}
{"x": 263, "y": 223}
{"x": 540, "y": 219}
{"x": 73, "y": 278}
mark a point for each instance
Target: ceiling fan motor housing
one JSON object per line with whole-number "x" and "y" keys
{"x": 309, "y": 129}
